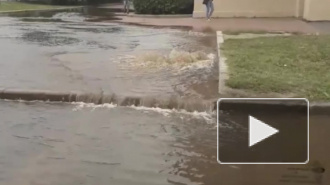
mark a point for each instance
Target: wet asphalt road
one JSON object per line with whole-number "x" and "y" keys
{"x": 57, "y": 143}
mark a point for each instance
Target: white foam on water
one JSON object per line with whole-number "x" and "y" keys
{"x": 81, "y": 105}
{"x": 209, "y": 117}
{"x": 184, "y": 57}
{"x": 178, "y": 61}
{"x": 195, "y": 33}
{"x": 166, "y": 112}
{"x": 69, "y": 17}
{"x": 201, "y": 64}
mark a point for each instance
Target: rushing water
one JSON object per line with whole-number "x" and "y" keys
{"x": 63, "y": 51}
{"x": 86, "y": 144}
{"x": 56, "y": 143}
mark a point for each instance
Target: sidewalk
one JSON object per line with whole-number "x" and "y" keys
{"x": 233, "y": 24}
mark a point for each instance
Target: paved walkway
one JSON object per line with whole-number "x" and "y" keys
{"x": 322, "y": 27}
{"x": 233, "y": 24}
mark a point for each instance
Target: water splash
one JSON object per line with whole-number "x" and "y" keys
{"x": 201, "y": 64}
{"x": 81, "y": 105}
{"x": 198, "y": 34}
{"x": 176, "y": 60}
{"x": 69, "y": 17}
{"x": 209, "y": 117}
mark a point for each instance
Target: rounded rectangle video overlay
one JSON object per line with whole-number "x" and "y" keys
{"x": 263, "y": 130}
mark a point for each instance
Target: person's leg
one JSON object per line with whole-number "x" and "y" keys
{"x": 127, "y": 6}
{"x": 207, "y": 10}
{"x": 211, "y": 9}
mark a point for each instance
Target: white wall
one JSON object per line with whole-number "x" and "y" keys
{"x": 252, "y": 8}
{"x": 317, "y": 10}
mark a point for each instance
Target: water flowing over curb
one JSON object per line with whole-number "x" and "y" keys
{"x": 164, "y": 103}
{"x": 189, "y": 105}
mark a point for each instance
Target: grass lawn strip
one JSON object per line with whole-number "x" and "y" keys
{"x": 296, "y": 64}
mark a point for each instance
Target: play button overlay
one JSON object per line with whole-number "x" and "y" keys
{"x": 259, "y": 131}
{"x": 263, "y": 131}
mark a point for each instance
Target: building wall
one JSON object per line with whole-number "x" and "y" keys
{"x": 317, "y": 10}
{"x": 253, "y": 8}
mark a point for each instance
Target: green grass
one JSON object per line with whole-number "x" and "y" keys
{"x": 14, "y": 6}
{"x": 295, "y": 64}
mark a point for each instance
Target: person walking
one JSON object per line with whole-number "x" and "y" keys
{"x": 209, "y": 8}
{"x": 126, "y": 6}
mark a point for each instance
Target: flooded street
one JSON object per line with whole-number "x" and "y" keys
{"x": 82, "y": 144}
{"x": 63, "y": 51}
{"x": 55, "y": 143}
{"x": 48, "y": 143}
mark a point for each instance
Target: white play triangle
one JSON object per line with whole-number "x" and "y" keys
{"x": 258, "y": 131}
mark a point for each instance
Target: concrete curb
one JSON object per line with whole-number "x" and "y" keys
{"x": 250, "y": 104}
{"x": 41, "y": 10}
{"x": 33, "y": 95}
{"x": 320, "y": 107}
{"x": 160, "y": 16}
{"x": 165, "y": 103}
{"x": 223, "y": 76}
{"x": 314, "y": 107}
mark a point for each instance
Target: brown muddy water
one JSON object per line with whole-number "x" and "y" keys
{"x": 46, "y": 143}
{"x": 57, "y": 143}
{"x": 64, "y": 51}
